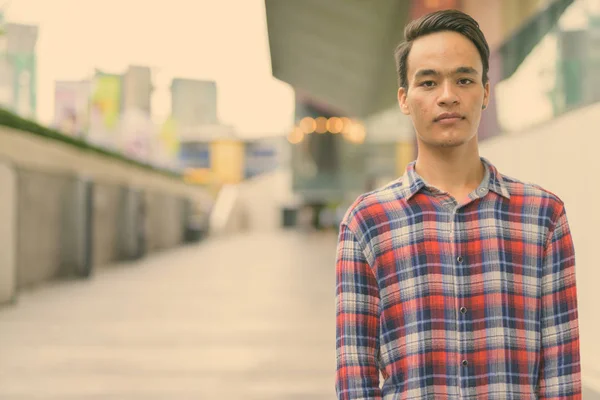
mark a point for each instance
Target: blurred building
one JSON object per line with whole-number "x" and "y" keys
{"x": 138, "y": 132}
{"x": 194, "y": 102}
{"x": 337, "y": 56}
{"x": 263, "y": 155}
{"x": 209, "y": 152}
{"x": 137, "y": 89}
{"x": 194, "y": 112}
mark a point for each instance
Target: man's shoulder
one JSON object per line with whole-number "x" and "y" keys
{"x": 530, "y": 192}
{"x": 371, "y": 204}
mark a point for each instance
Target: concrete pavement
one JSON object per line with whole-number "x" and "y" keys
{"x": 248, "y": 317}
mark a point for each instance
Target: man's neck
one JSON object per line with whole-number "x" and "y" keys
{"x": 457, "y": 171}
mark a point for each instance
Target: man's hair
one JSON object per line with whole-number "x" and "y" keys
{"x": 441, "y": 21}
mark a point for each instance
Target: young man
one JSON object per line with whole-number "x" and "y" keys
{"x": 454, "y": 281}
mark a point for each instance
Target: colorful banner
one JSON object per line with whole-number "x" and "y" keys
{"x": 6, "y": 73}
{"x": 18, "y": 68}
{"x": 105, "y": 107}
{"x": 24, "y": 84}
{"x": 167, "y": 145}
{"x": 6, "y": 70}
{"x": 137, "y": 135}
{"x": 71, "y": 107}
{"x": 6, "y": 83}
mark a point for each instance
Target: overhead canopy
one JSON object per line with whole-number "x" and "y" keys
{"x": 338, "y": 54}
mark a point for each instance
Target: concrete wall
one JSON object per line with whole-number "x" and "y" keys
{"x": 8, "y": 267}
{"x": 164, "y": 220}
{"x": 254, "y": 205}
{"x": 264, "y": 197}
{"x": 105, "y": 226}
{"x": 43, "y": 207}
{"x": 564, "y": 157}
{"x": 39, "y": 220}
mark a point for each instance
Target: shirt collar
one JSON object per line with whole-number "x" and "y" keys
{"x": 413, "y": 183}
{"x": 495, "y": 182}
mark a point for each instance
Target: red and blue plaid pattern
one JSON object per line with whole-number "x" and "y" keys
{"x": 457, "y": 301}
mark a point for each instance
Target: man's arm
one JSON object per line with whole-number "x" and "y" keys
{"x": 560, "y": 370}
{"x": 357, "y": 333}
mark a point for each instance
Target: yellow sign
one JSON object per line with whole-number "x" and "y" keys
{"x": 227, "y": 161}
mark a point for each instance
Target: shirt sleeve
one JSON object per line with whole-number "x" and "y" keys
{"x": 560, "y": 370}
{"x": 357, "y": 322}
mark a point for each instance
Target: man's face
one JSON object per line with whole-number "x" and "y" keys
{"x": 445, "y": 92}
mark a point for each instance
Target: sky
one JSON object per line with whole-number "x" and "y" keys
{"x": 221, "y": 40}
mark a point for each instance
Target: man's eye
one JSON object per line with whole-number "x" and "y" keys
{"x": 427, "y": 83}
{"x": 465, "y": 81}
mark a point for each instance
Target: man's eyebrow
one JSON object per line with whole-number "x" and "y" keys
{"x": 460, "y": 70}
{"x": 466, "y": 70}
{"x": 426, "y": 72}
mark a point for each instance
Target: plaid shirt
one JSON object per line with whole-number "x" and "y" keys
{"x": 457, "y": 301}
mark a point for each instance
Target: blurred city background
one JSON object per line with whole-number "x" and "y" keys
{"x": 172, "y": 175}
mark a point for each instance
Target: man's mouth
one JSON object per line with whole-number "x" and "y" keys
{"x": 448, "y": 118}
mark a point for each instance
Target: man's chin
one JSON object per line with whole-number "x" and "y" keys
{"x": 447, "y": 139}
{"x": 451, "y": 143}
{"x": 446, "y": 143}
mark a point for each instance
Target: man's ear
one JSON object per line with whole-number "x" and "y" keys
{"x": 486, "y": 95}
{"x": 402, "y": 93}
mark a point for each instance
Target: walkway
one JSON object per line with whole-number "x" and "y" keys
{"x": 247, "y": 318}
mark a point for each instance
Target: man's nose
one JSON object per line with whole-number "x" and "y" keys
{"x": 448, "y": 95}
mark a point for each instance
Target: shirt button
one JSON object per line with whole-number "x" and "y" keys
{"x": 482, "y": 190}
{"x": 459, "y": 259}
{"x": 465, "y": 363}
{"x": 463, "y": 310}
